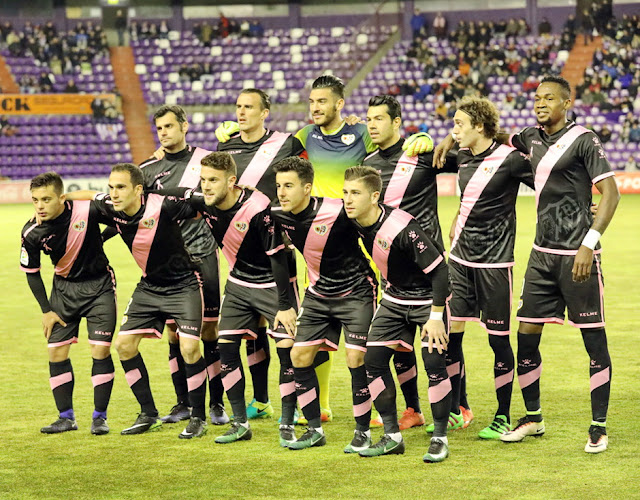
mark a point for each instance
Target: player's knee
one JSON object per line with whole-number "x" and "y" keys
{"x": 377, "y": 358}
{"x": 190, "y": 349}
{"x": 172, "y": 335}
{"x": 302, "y": 357}
{"x": 57, "y": 354}
{"x": 355, "y": 358}
{"x": 126, "y": 347}
{"x": 595, "y": 341}
{"x": 100, "y": 351}
{"x": 530, "y": 328}
{"x": 209, "y": 332}
{"x": 433, "y": 361}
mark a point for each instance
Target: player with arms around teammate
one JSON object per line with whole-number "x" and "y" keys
{"x": 341, "y": 296}
{"x": 564, "y": 269}
{"x": 482, "y": 240}
{"x": 178, "y": 165}
{"x": 415, "y": 296}
{"x": 169, "y": 289}
{"x": 83, "y": 287}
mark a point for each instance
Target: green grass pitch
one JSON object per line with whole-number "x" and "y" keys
{"x": 78, "y": 465}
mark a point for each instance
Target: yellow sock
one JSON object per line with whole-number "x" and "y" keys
{"x": 323, "y": 372}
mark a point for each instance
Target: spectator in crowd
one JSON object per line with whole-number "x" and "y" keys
{"x": 45, "y": 82}
{"x": 223, "y": 25}
{"x": 587, "y": 27}
{"x": 121, "y": 26}
{"x": 71, "y": 87}
{"x": 440, "y": 26}
{"x": 631, "y": 165}
{"x": 604, "y": 134}
{"x": 6, "y": 129}
{"x": 544, "y": 28}
{"x": 256, "y": 30}
{"x": 163, "y": 29}
{"x": 418, "y": 24}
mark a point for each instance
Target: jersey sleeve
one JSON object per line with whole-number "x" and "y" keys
{"x": 420, "y": 248}
{"x": 594, "y": 157}
{"x": 302, "y": 135}
{"x": 179, "y": 208}
{"x": 102, "y": 202}
{"x": 147, "y": 173}
{"x": 297, "y": 148}
{"x": 29, "y": 252}
{"x": 270, "y": 235}
{"x": 521, "y": 168}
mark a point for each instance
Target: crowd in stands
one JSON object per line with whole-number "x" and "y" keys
{"x": 6, "y": 128}
{"x": 226, "y": 28}
{"x": 148, "y": 30}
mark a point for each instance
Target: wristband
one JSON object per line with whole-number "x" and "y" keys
{"x": 591, "y": 239}
{"x": 437, "y": 316}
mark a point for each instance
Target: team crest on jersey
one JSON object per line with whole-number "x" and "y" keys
{"x": 80, "y": 225}
{"x": 241, "y": 226}
{"x": 348, "y": 139}
{"x": 406, "y": 169}
{"x": 148, "y": 223}
{"x": 268, "y": 152}
{"x": 561, "y": 146}
{"x": 382, "y": 243}
{"x": 321, "y": 229}
{"x": 24, "y": 256}
{"x": 486, "y": 170}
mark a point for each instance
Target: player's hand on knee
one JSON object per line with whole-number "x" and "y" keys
{"x": 441, "y": 150}
{"x": 594, "y": 209}
{"x": 48, "y": 322}
{"x": 353, "y": 120}
{"x": 436, "y": 334}
{"x": 582, "y": 263}
{"x": 158, "y": 154}
{"x": 288, "y": 320}
{"x": 226, "y": 130}
{"x": 418, "y": 144}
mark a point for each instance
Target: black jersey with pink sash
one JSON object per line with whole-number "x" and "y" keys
{"x": 565, "y": 165}
{"x": 409, "y": 183}
{"x": 485, "y": 230}
{"x": 406, "y": 257}
{"x": 328, "y": 241}
{"x": 181, "y": 169}
{"x": 72, "y": 240}
{"x": 154, "y": 237}
{"x": 254, "y": 159}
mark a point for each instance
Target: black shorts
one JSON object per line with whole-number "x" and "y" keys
{"x": 549, "y": 288}
{"x": 151, "y": 306}
{"x": 396, "y": 320}
{"x": 322, "y": 318}
{"x": 92, "y": 299}
{"x": 483, "y": 295}
{"x": 241, "y": 309}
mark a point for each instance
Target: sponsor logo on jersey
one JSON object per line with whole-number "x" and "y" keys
{"x": 80, "y": 226}
{"x": 561, "y": 146}
{"x": 348, "y": 139}
{"x": 268, "y": 152}
{"x": 241, "y": 226}
{"x": 536, "y": 142}
{"x": 406, "y": 169}
{"x": 382, "y": 243}
{"x": 148, "y": 223}
{"x": 320, "y": 229}
{"x": 24, "y": 257}
{"x": 486, "y": 170}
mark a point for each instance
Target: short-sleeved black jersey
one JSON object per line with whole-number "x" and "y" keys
{"x": 182, "y": 169}
{"x": 153, "y": 236}
{"x": 72, "y": 240}
{"x": 246, "y": 234}
{"x": 403, "y": 253}
{"x": 565, "y": 165}
{"x": 328, "y": 241}
{"x": 486, "y": 227}
{"x": 255, "y": 159}
{"x": 409, "y": 183}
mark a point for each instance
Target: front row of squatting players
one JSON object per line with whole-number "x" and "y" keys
{"x": 390, "y": 206}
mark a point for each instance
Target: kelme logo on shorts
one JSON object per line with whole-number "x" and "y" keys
{"x": 382, "y": 243}
{"x": 321, "y": 229}
{"x": 148, "y": 223}
{"x": 80, "y": 225}
{"x": 241, "y": 226}
{"x": 348, "y": 139}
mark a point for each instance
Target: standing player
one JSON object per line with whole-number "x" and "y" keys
{"x": 179, "y": 166}
{"x": 564, "y": 266}
{"x": 416, "y": 294}
{"x": 408, "y": 183}
{"x": 341, "y": 295}
{"x": 255, "y": 150}
{"x": 83, "y": 287}
{"x": 482, "y": 240}
{"x": 169, "y": 289}
{"x": 258, "y": 283}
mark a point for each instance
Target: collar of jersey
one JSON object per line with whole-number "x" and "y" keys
{"x": 334, "y": 132}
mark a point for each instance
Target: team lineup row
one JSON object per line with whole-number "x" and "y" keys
{"x": 390, "y": 204}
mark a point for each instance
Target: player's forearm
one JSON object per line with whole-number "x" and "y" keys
{"x": 280, "y": 271}
{"x": 82, "y": 194}
{"x": 38, "y": 290}
{"x": 440, "y": 284}
{"x": 178, "y": 192}
{"x": 608, "y": 204}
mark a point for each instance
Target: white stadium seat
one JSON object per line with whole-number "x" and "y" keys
{"x": 226, "y": 76}
{"x": 265, "y": 67}
{"x": 247, "y": 59}
{"x": 158, "y": 60}
{"x": 216, "y": 51}
{"x": 197, "y": 117}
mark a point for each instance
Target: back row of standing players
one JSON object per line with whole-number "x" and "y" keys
{"x": 481, "y": 262}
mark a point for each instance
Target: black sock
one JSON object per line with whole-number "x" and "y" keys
{"x": 233, "y": 378}
{"x": 212, "y": 360}
{"x": 455, "y": 366}
{"x": 503, "y": 372}
{"x": 287, "y": 386}
{"x": 178, "y": 375}
{"x": 61, "y": 381}
{"x": 307, "y": 394}
{"x": 530, "y": 369}
{"x": 595, "y": 340}
{"x": 137, "y": 377}
{"x": 407, "y": 372}
{"x": 197, "y": 384}
{"x": 381, "y": 385}
{"x": 361, "y": 398}
{"x": 258, "y": 358}
{"x": 439, "y": 390}
{"x": 102, "y": 375}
